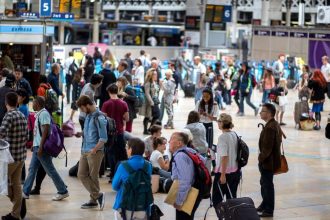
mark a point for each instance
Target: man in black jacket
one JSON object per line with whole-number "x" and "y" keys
{"x": 9, "y": 85}
{"x": 108, "y": 78}
{"x": 22, "y": 83}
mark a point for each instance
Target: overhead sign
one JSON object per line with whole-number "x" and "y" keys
{"x": 62, "y": 16}
{"x": 299, "y": 34}
{"x": 29, "y": 15}
{"x": 218, "y": 13}
{"x": 45, "y": 8}
{"x": 280, "y": 33}
{"x": 261, "y": 33}
{"x": 319, "y": 36}
{"x": 26, "y": 29}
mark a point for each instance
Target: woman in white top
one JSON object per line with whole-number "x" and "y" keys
{"x": 208, "y": 111}
{"x": 227, "y": 171}
{"x": 157, "y": 159}
{"x": 138, "y": 72}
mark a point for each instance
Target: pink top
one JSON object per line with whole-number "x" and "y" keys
{"x": 269, "y": 83}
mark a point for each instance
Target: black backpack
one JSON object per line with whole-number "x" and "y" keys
{"x": 111, "y": 128}
{"x": 327, "y": 131}
{"x": 242, "y": 152}
{"x": 73, "y": 68}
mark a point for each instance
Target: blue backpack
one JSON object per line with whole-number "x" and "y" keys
{"x": 139, "y": 94}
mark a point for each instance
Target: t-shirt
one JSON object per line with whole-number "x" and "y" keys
{"x": 115, "y": 109}
{"x": 42, "y": 117}
{"x": 90, "y": 92}
{"x": 227, "y": 146}
{"x": 156, "y": 154}
{"x": 24, "y": 109}
{"x": 214, "y": 112}
{"x": 325, "y": 69}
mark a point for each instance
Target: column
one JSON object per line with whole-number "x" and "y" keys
{"x": 234, "y": 22}
{"x": 61, "y": 33}
{"x": 96, "y": 22}
{"x": 202, "y": 24}
{"x": 288, "y": 4}
{"x": 265, "y": 19}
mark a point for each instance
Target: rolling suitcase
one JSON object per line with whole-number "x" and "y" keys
{"x": 300, "y": 108}
{"x": 236, "y": 209}
{"x": 189, "y": 89}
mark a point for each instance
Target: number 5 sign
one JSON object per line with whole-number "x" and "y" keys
{"x": 45, "y": 8}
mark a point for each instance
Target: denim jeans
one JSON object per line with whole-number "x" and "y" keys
{"x": 46, "y": 162}
{"x": 265, "y": 96}
{"x": 198, "y": 94}
{"x": 267, "y": 190}
{"x": 242, "y": 96}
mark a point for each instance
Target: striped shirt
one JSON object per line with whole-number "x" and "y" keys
{"x": 14, "y": 130}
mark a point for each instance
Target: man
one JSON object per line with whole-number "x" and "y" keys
{"x": 269, "y": 158}
{"x": 108, "y": 78}
{"x": 198, "y": 73}
{"x": 53, "y": 79}
{"x": 7, "y": 61}
{"x": 116, "y": 109}
{"x": 169, "y": 88}
{"x": 152, "y": 41}
{"x": 41, "y": 158}
{"x": 124, "y": 72}
{"x": 4, "y": 73}
{"x": 325, "y": 69}
{"x": 279, "y": 68}
{"x": 14, "y": 130}
{"x": 9, "y": 85}
{"x": 94, "y": 138}
{"x": 155, "y": 65}
{"x": 183, "y": 171}
{"x": 144, "y": 60}
{"x": 22, "y": 83}
{"x": 181, "y": 67}
{"x": 89, "y": 90}
{"x": 84, "y": 53}
{"x": 70, "y": 67}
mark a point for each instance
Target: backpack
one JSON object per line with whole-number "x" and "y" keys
{"x": 137, "y": 192}
{"x": 111, "y": 128}
{"x": 140, "y": 97}
{"x": 51, "y": 100}
{"x": 254, "y": 81}
{"x": 54, "y": 143}
{"x": 203, "y": 180}
{"x": 31, "y": 120}
{"x": 242, "y": 152}
{"x": 327, "y": 131}
{"x": 73, "y": 68}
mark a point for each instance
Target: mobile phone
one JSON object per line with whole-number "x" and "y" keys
{"x": 165, "y": 157}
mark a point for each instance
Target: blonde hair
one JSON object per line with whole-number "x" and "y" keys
{"x": 169, "y": 71}
{"x": 283, "y": 83}
{"x": 149, "y": 74}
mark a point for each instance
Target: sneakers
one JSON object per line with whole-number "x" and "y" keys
{"x": 25, "y": 196}
{"x": 89, "y": 205}
{"x": 282, "y": 124}
{"x": 317, "y": 128}
{"x": 101, "y": 200}
{"x": 168, "y": 127}
{"x": 60, "y": 197}
{"x": 240, "y": 114}
{"x": 9, "y": 217}
{"x": 265, "y": 214}
{"x": 23, "y": 209}
{"x": 35, "y": 192}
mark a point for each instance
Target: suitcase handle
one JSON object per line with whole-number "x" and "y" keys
{"x": 231, "y": 195}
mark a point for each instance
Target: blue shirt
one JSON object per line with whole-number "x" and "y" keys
{"x": 183, "y": 171}
{"x": 24, "y": 109}
{"x": 121, "y": 176}
{"x": 53, "y": 80}
{"x": 95, "y": 130}
{"x": 42, "y": 118}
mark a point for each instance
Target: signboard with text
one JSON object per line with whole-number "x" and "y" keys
{"x": 45, "y": 8}
{"x": 218, "y": 13}
{"x": 62, "y": 16}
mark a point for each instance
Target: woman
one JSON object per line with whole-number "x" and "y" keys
{"x": 77, "y": 85}
{"x": 210, "y": 72}
{"x": 219, "y": 88}
{"x": 127, "y": 94}
{"x": 245, "y": 90}
{"x": 108, "y": 56}
{"x": 89, "y": 68}
{"x": 169, "y": 88}
{"x": 150, "y": 108}
{"x": 156, "y": 132}
{"x": 209, "y": 111}
{"x": 157, "y": 158}
{"x": 198, "y": 132}
{"x": 281, "y": 93}
{"x": 23, "y": 102}
{"x": 97, "y": 56}
{"x": 268, "y": 83}
{"x": 227, "y": 171}
{"x": 302, "y": 86}
{"x": 138, "y": 72}
{"x": 319, "y": 86}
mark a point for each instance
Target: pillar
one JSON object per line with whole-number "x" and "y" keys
{"x": 61, "y": 33}
{"x": 202, "y": 24}
{"x": 288, "y": 4}
{"x": 265, "y": 19}
{"x": 96, "y": 22}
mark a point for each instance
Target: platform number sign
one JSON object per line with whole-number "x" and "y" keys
{"x": 45, "y": 8}
{"x": 227, "y": 13}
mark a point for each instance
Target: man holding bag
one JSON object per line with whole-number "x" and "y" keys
{"x": 269, "y": 158}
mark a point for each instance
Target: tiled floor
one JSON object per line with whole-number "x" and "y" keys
{"x": 303, "y": 193}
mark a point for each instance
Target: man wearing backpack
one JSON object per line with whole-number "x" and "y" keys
{"x": 70, "y": 68}
{"x": 94, "y": 138}
{"x": 132, "y": 182}
{"x": 183, "y": 170}
{"x": 53, "y": 79}
{"x": 269, "y": 158}
{"x": 41, "y": 158}
{"x": 116, "y": 109}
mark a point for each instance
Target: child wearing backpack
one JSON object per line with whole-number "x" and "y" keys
{"x": 132, "y": 182}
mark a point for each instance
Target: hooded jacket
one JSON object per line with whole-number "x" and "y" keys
{"x": 198, "y": 132}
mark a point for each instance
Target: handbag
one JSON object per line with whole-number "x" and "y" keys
{"x": 155, "y": 212}
{"x": 282, "y": 100}
{"x": 284, "y": 164}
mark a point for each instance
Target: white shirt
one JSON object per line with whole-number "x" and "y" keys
{"x": 325, "y": 69}
{"x": 3, "y": 82}
{"x": 139, "y": 75}
{"x": 214, "y": 112}
{"x": 227, "y": 146}
{"x": 156, "y": 154}
{"x": 67, "y": 64}
{"x": 153, "y": 41}
{"x": 199, "y": 70}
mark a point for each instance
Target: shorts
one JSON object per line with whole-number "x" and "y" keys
{"x": 279, "y": 108}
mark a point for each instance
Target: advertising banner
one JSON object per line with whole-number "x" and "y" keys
{"x": 316, "y": 50}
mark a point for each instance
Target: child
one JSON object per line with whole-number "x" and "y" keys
{"x": 281, "y": 100}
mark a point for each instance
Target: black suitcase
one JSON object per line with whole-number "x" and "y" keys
{"x": 236, "y": 209}
{"x": 189, "y": 89}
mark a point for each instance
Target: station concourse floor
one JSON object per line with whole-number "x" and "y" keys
{"x": 302, "y": 193}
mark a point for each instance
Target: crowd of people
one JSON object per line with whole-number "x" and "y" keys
{"x": 107, "y": 90}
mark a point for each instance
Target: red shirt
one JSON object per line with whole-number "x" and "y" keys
{"x": 115, "y": 109}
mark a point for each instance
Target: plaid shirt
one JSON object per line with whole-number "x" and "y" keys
{"x": 14, "y": 130}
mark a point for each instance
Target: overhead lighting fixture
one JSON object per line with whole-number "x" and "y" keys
{"x": 11, "y": 44}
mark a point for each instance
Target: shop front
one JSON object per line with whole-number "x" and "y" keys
{"x": 28, "y": 45}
